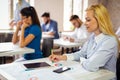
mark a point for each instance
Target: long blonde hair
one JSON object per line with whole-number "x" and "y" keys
{"x": 103, "y": 19}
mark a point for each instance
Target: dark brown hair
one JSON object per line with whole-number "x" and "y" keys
{"x": 46, "y": 14}
{"x": 74, "y": 17}
{"x": 30, "y": 11}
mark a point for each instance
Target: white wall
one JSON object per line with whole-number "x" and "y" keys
{"x": 55, "y": 7}
{"x": 4, "y": 17}
{"x": 113, "y": 7}
{"x": 114, "y": 11}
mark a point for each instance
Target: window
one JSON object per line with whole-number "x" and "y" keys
{"x": 8, "y": 12}
{"x": 4, "y": 15}
{"x": 76, "y": 7}
{"x": 68, "y": 11}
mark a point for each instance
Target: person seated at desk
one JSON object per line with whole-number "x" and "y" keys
{"x": 80, "y": 33}
{"x": 20, "y": 5}
{"x": 101, "y": 49}
{"x": 49, "y": 27}
{"x": 30, "y": 33}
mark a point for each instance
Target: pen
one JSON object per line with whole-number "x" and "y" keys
{"x": 52, "y": 54}
{"x": 51, "y": 51}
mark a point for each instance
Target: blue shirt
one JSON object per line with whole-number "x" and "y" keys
{"x": 52, "y": 28}
{"x": 35, "y": 43}
{"x": 98, "y": 52}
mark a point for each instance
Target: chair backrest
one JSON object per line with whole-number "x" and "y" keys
{"x": 118, "y": 69}
{"x": 118, "y": 31}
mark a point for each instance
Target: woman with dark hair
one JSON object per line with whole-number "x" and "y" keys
{"x": 30, "y": 33}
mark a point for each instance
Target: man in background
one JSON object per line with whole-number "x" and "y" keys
{"x": 49, "y": 26}
{"x": 80, "y": 33}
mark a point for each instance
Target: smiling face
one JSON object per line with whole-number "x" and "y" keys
{"x": 91, "y": 22}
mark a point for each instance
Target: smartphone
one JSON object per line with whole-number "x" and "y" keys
{"x": 36, "y": 65}
{"x": 60, "y": 70}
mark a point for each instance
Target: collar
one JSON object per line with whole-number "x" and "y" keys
{"x": 99, "y": 37}
{"x": 82, "y": 26}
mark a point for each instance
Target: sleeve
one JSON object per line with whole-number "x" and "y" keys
{"x": 54, "y": 28}
{"x": 76, "y": 56}
{"x": 74, "y": 34}
{"x": 84, "y": 36}
{"x": 101, "y": 56}
{"x": 42, "y": 27}
{"x": 35, "y": 30}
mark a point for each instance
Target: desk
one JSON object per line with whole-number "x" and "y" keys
{"x": 12, "y": 49}
{"x": 6, "y": 31}
{"x": 9, "y": 49}
{"x": 16, "y": 71}
{"x": 66, "y": 44}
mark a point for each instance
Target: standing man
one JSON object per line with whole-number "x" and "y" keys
{"x": 19, "y": 6}
{"x": 49, "y": 26}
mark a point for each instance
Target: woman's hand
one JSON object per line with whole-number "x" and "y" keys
{"x": 65, "y": 37}
{"x": 19, "y": 24}
{"x": 56, "y": 58}
{"x": 24, "y": 25}
{"x": 71, "y": 40}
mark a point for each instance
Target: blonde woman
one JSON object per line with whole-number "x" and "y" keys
{"x": 101, "y": 49}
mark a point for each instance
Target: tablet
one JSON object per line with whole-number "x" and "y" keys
{"x": 36, "y": 65}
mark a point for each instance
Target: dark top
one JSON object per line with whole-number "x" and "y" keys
{"x": 35, "y": 43}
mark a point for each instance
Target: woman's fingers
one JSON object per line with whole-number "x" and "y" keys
{"x": 54, "y": 58}
{"x": 50, "y": 57}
